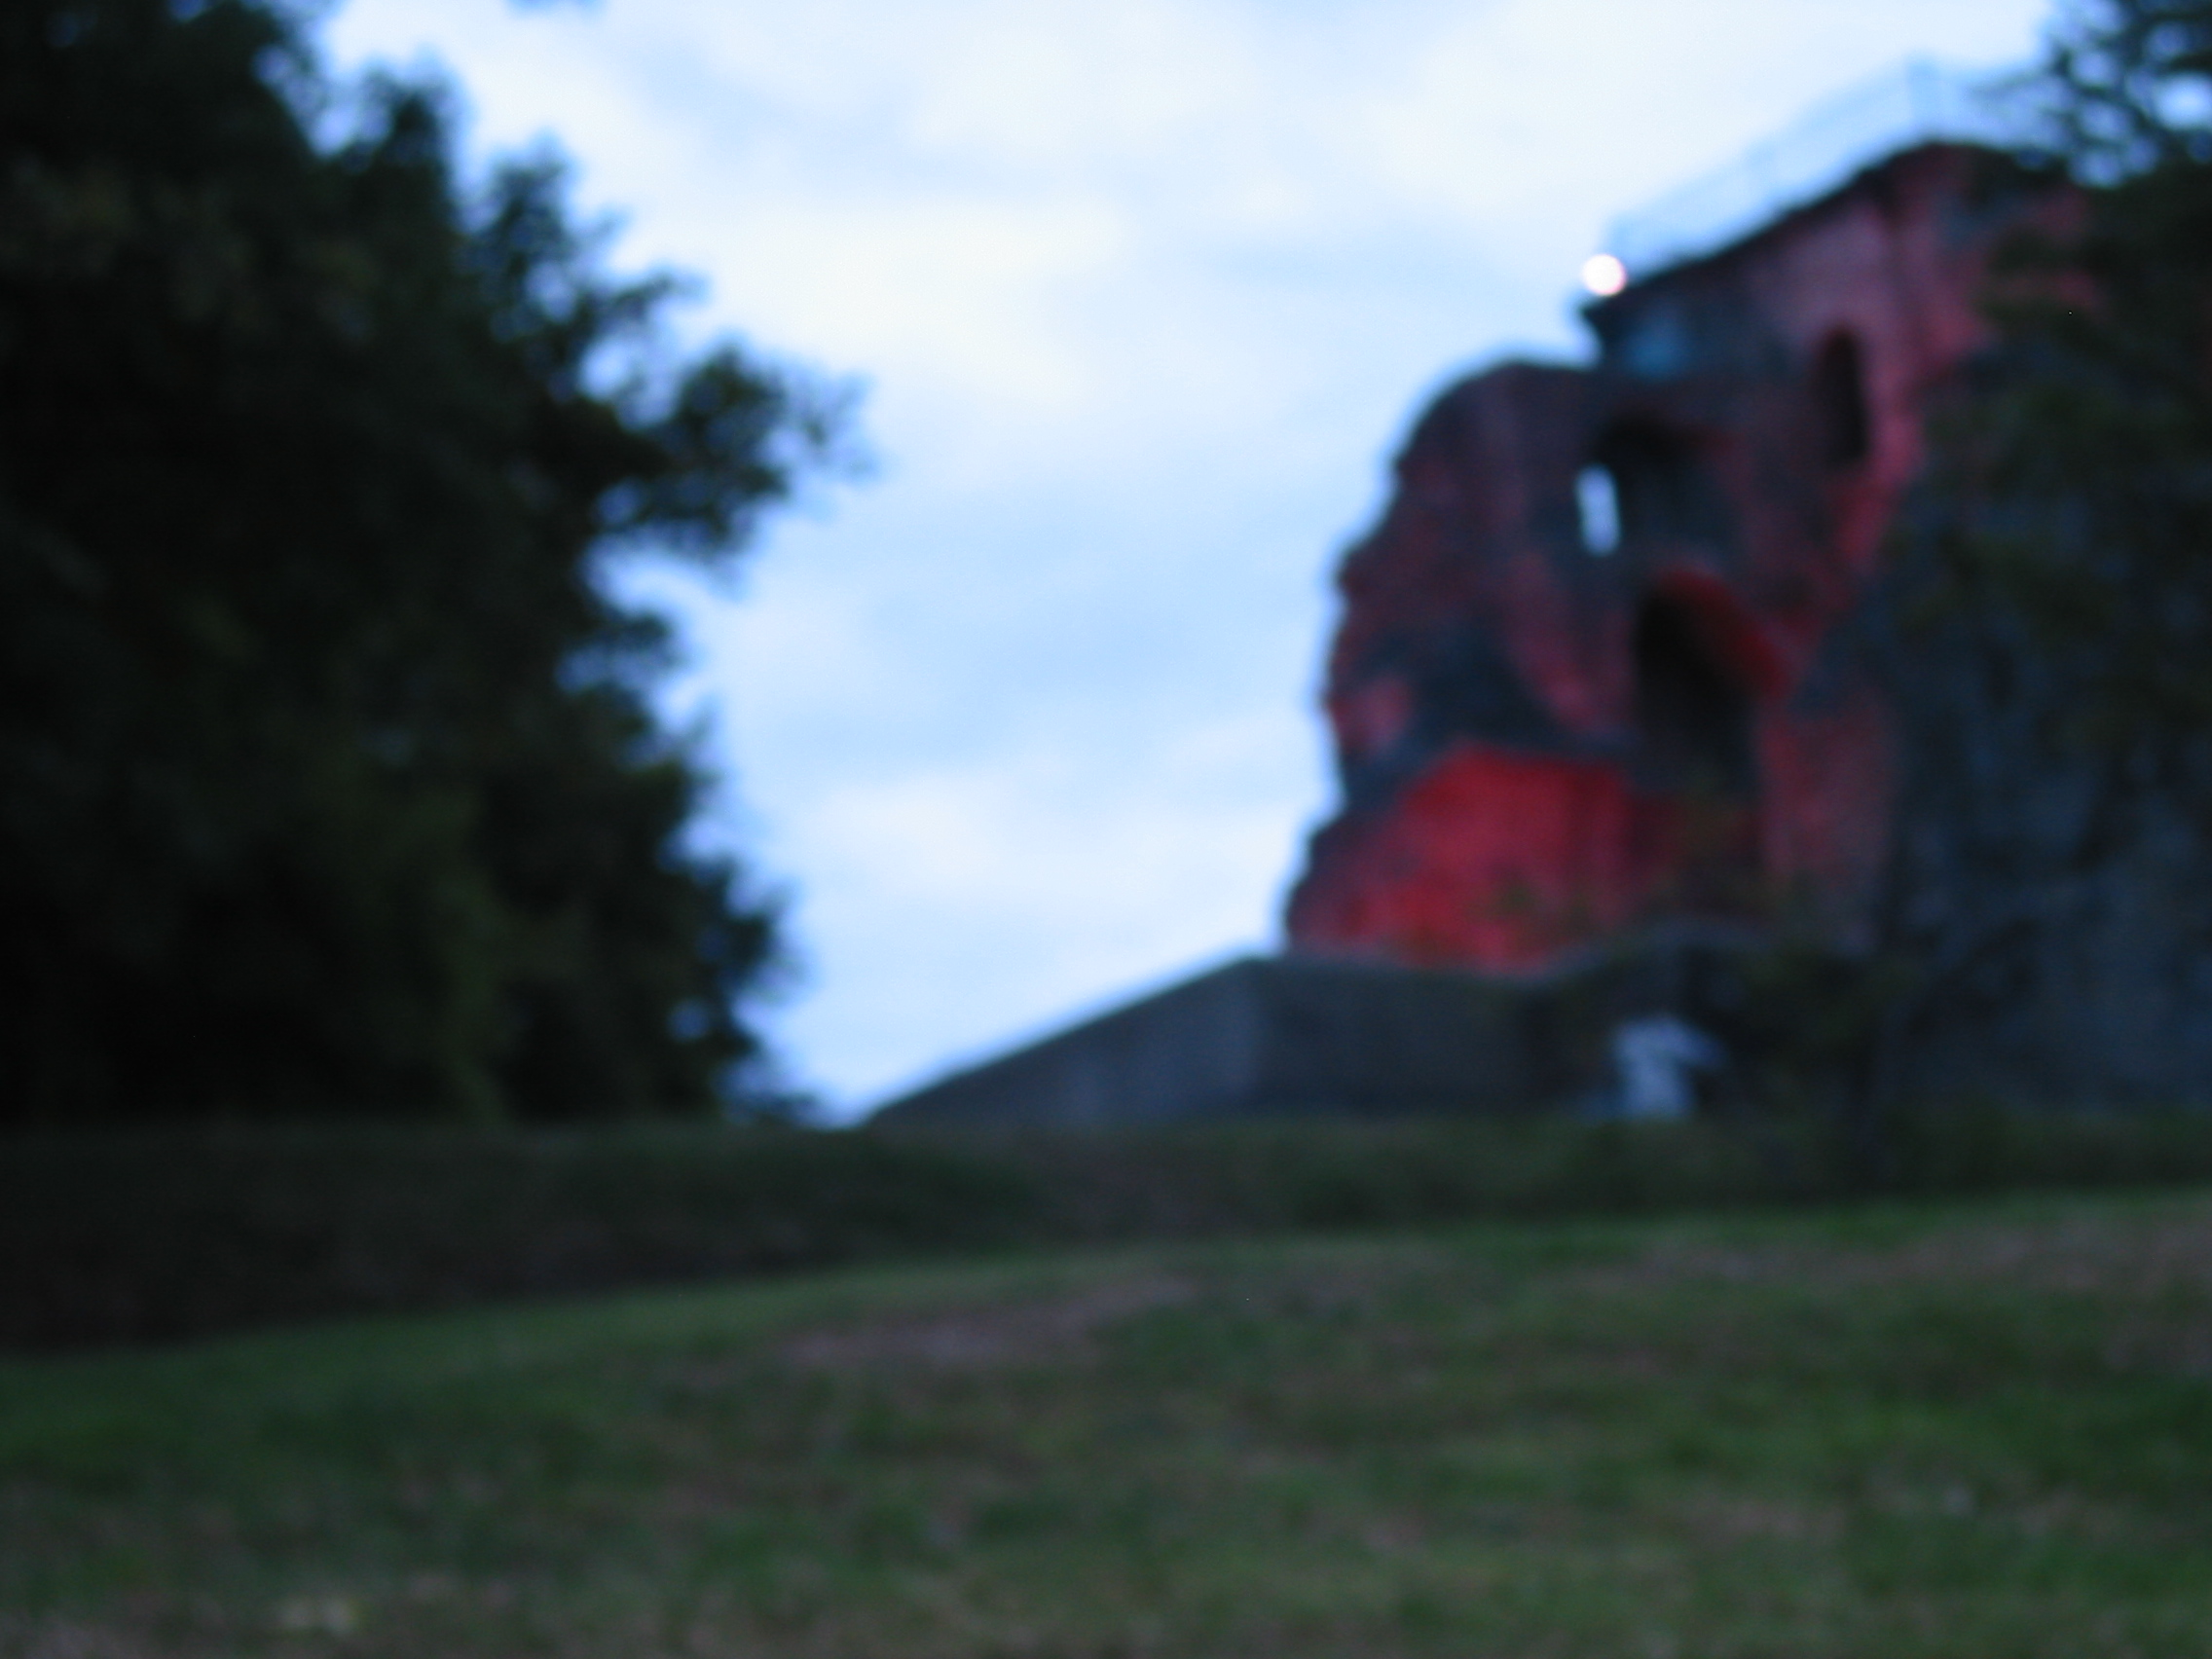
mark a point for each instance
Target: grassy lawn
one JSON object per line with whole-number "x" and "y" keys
{"x": 1973, "y": 1431}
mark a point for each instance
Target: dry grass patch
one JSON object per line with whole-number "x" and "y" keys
{"x": 1055, "y": 1330}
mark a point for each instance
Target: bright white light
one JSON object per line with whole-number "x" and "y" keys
{"x": 1604, "y": 275}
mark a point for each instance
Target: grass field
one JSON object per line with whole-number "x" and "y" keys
{"x": 1967, "y": 1430}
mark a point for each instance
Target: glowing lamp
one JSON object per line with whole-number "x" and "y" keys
{"x": 1604, "y": 275}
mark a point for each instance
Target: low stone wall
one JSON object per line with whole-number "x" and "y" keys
{"x": 1301, "y": 1036}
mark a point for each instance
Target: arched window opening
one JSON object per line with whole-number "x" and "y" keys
{"x": 1598, "y": 502}
{"x": 1661, "y": 489}
{"x": 1693, "y": 714}
{"x": 1839, "y": 397}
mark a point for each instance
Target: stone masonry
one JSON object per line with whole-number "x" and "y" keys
{"x": 1589, "y": 672}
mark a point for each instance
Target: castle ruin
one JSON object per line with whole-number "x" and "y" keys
{"x": 1590, "y": 672}
{"x": 1608, "y": 724}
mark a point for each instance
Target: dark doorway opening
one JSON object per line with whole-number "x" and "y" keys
{"x": 1693, "y": 714}
{"x": 1839, "y": 395}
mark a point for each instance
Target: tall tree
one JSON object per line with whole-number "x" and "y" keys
{"x": 2054, "y": 587}
{"x": 328, "y": 779}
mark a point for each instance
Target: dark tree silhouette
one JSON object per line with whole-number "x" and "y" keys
{"x": 2053, "y": 607}
{"x": 328, "y": 782}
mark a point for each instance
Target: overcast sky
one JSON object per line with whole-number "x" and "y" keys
{"x": 1143, "y": 294}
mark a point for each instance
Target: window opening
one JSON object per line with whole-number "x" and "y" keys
{"x": 1839, "y": 395}
{"x": 1661, "y": 489}
{"x": 1600, "y": 506}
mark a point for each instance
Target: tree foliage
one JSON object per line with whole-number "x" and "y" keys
{"x": 327, "y": 778}
{"x": 2054, "y": 587}
{"x": 2077, "y": 481}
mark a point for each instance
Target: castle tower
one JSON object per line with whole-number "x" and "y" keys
{"x": 1594, "y": 668}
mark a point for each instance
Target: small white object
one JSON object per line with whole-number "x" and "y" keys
{"x": 1604, "y": 275}
{"x": 1655, "y": 1058}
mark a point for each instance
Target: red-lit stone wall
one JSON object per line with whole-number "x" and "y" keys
{"x": 1542, "y": 745}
